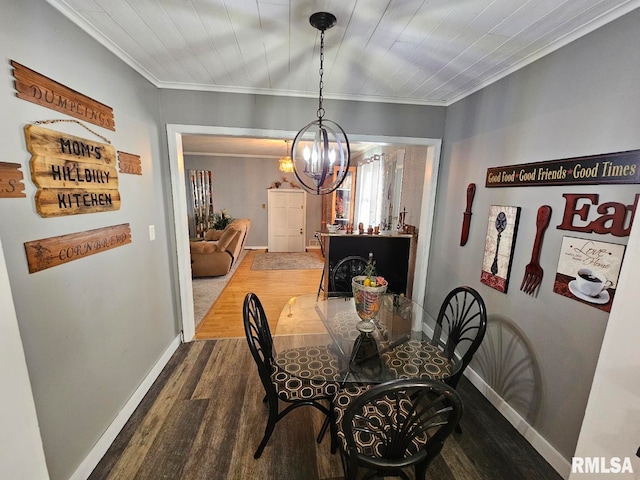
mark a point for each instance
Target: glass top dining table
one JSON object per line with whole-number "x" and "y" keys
{"x": 333, "y": 349}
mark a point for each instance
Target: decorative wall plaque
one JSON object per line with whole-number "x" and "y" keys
{"x": 615, "y": 218}
{"x": 129, "y": 163}
{"x": 11, "y": 185}
{"x": 73, "y": 175}
{"x": 41, "y": 90}
{"x": 588, "y": 271}
{"x": 610, "y": 168}
{"x": 499, "y": 245}
{"x": 54, "y": 251}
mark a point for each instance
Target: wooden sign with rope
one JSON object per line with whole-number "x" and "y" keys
{"x": 73, "y": 175}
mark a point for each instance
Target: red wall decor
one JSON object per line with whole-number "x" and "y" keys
{"x": 612, "y": 219}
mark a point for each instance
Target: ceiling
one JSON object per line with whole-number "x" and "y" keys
{"x": 427, "y": 52}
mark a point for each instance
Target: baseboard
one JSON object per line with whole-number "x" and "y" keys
{"x": 537, "y": 441}
{"x": 102, "y": 445}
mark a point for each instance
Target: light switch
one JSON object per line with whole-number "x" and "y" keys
{"x": 264, "y": 206}
{"x": 152, "y": 232}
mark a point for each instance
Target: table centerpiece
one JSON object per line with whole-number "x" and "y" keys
{"x": 368, "y": 289}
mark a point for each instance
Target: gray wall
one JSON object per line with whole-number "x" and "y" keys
{"x": 581, "y": 100}
{"x": 291, "y": 114}
{"x": 93, "y": 328}
{"x": 240, "y": 186}
{"x": 287, "y": 114}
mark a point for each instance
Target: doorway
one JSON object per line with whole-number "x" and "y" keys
{"x": 178, "y": 190}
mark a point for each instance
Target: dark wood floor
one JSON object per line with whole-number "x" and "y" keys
{"x": 204, "y": 416}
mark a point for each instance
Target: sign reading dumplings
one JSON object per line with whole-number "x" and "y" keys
{"x": 73, "y": 175}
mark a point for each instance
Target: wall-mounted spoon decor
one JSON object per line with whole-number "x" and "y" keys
{"x": 501, "y": 224}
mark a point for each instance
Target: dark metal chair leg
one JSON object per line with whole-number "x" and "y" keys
{"x": 323, "y": 430}
{"x": 271, "y": 424}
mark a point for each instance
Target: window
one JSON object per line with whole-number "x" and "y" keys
{"x": 369, "y": 190}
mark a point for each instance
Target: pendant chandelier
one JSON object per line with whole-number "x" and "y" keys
{"x": 285, "y": 164}
{"x": 320, "y": 150}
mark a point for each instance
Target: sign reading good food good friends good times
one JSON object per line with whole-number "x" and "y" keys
{"x": 73, "y": 175}
{"x": 610, "y": 168}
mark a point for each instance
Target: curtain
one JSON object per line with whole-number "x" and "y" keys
{"x": 369, "y": 191}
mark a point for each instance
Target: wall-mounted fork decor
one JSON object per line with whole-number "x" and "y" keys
{"x": 533, "y": 271}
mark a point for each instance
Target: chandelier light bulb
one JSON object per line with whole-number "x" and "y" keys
{"x": 332, "y": 156}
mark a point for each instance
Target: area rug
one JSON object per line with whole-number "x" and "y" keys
{"x": 286, "y": 261}
{"x": 206, "y": 290}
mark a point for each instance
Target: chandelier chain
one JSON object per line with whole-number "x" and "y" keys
{"x": 321, "y": 71}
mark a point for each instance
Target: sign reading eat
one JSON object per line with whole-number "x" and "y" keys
{"x": 612, "y": 219}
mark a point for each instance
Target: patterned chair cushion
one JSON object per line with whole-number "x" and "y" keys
{"x": 378, "y": 414}
{"x": 416, "y": 359}
{"x": 305, "y": 373}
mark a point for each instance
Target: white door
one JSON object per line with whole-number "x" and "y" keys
{"x": 287, "y": 217}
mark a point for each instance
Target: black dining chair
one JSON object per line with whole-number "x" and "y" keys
{"x": 460, "y": 328}
{"x": 297, "y": 391}
{"x": 394, "y": 425}
{"x": 343, "y": 272}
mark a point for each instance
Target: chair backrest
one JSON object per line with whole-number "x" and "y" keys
{"x": 343, "y": 273}
{"x": 320, "y": 242}
{"x": 258, "y": 333}
{"x": 460, "y": 326}
{"x": 400, "y": 423}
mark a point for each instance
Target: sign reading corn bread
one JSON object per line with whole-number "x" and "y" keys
{"x": 36, "y": 88}
{"x": 73, "y": 175}
{"x": 54, "y": 251}
{"x": 11, "y": 185}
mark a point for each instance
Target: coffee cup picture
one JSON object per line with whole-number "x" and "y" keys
{"x": 588, "y": 271}
{"x": 591, "y": 282}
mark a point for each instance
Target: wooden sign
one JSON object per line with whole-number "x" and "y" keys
{"x": 54, "y": 251}
{"x": 11, "y": 185}
{"x": 73, "y": 175}
{"x": 129, "y": 163}
{"x": 41, "y": 90}
{"x": 611, "y": 168}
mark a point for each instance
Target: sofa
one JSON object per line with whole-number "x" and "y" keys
{"x": 215, "y": 255}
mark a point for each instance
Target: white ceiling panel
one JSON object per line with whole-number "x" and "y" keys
{"x": 429, "y": 52}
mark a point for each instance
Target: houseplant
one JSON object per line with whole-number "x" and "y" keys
{"x": 221, "y": 219}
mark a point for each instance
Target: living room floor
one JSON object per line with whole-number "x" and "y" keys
{"x": 273, "y": 287}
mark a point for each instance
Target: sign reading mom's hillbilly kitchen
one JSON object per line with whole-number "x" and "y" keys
{"x": 73, "y": 175}
{"x": 611, "y": 168}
